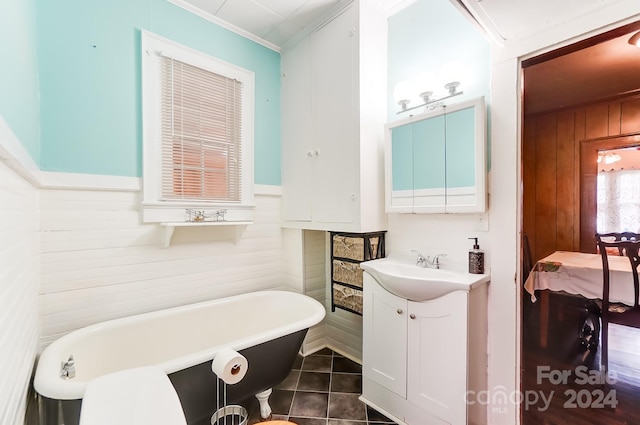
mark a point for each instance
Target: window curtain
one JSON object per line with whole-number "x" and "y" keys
{"x": 618, "y": 201}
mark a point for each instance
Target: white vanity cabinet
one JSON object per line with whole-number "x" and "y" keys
{"x": 333, "y": 102}
{"x": 384, "y": 330}
{"x": 420, "y": 359}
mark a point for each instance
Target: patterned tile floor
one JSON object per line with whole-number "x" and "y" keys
{"x": 322, "y": 389}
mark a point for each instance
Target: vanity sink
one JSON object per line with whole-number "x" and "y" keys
{"x": 405, "y": 279}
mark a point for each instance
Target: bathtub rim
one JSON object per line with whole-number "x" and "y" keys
{"x": 48, "y": 383}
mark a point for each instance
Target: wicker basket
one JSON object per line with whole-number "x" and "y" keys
{"x": 354, "y": 248}
{"x": 348, "y": 247}
{"x": 347, "y": 297}
{"x": 346, "y": 272}
{"x": 374, "y": 241}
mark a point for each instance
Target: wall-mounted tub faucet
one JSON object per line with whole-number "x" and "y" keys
{"x": 68, "y": 369}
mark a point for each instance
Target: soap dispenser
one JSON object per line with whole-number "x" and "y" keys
{"x": 476, "y": 258}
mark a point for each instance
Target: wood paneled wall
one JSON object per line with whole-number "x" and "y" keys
{"x": 551, "y": 168}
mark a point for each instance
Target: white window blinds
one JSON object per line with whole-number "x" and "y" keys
{"x": 201, "y": 137}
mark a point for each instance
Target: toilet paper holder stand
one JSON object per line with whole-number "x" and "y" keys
{"x": 226, "y": 414}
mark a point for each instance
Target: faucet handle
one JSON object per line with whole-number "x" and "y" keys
{"x": 420, "y": 259}
{"x": 436, "y": 258}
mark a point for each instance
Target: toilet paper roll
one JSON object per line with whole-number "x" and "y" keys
{"x": 230, "y": 366}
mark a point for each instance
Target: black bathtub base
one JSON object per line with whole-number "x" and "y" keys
{"x": 199, "y": 390}
{"x": 269, "y": 364}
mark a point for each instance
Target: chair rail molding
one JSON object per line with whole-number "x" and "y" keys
{"x": 16, "y": 156}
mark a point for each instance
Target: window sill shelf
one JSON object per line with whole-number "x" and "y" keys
{"x": 169, "y": 227}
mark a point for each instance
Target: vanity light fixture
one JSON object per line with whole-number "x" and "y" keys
{"x": 425, "y": 84}
{"x": 635, "y": 39}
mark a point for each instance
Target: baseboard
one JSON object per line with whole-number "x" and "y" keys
{"x": 343, "y": 354}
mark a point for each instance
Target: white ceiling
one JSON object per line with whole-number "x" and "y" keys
{"x": 274, "y": 21}
{"x": 600, "y": 71}
{"x": 603, "y": 70}
{"x": 514, "y": 19}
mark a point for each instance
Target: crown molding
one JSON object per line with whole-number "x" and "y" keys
{"x": 224, "y": 24}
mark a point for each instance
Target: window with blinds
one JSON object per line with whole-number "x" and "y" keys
{"x": 201, "y": 133}
{"x": 198, "y": 129}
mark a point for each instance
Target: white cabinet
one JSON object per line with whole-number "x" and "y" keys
{"x": 436, "y": 161}
{"x": 333, "y": 102}
{"x": 437, "y": 356}
{"x": 385, "y": 338}
{"x": 421, "y": 358}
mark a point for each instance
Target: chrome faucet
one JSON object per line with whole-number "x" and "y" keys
{"x": 68, "y": 369}
{"x": 435, "y": 263}
{"x": 422, "y": 261}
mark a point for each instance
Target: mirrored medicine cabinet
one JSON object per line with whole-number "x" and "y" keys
{"x": 435, "y": 161}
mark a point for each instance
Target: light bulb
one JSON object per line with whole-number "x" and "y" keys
{"x": 425, "y": 84}
{"x": 403, "y": 91}
{"x": 451, "y": 75}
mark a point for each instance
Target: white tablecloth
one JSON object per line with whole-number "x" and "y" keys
{"x": 581, "y": 274}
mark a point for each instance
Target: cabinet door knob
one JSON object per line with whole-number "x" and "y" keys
{"x": 413, "y": 316}
{"x": 399, "y": 311}
{"x": 316, "y": 152}
{"x": 310, "y": 153}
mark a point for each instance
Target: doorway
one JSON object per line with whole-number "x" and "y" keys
{"x": 571, "y": 115}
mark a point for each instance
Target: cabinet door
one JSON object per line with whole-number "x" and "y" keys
{"x": 437, "y": 356}
{"x": 297, "y": 154}
{"x": 429, "y": 180}
{"x": 384, "y": 337}
{"x": 464, "y": 164}
{"x": 335, "y": 120}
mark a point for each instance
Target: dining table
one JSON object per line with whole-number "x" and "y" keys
{"x": 577, "y": 273}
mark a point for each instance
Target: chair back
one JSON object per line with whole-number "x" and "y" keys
{"x": 628, "y": 245}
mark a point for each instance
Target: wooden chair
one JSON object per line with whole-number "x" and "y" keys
{"x": 622, "y": 236}
{"x": 628, "y": 244}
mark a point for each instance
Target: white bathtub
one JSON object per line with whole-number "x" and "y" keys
{"x": 180, "y": 338}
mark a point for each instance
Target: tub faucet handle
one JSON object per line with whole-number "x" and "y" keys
{"x": 68, "y": 368}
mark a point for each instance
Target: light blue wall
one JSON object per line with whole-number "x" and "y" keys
{"x": 19, "y": 73}
{"x": 89, "y": 53}
{"x": 426, "y": 35}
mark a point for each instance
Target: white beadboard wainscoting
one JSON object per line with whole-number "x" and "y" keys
{"x": 99, "y": 262}
{"x": 344, "y": 332}
{"x": 315, "y": 282}
{"x": 340, "y": 330}
{"x": 19, "y": 264}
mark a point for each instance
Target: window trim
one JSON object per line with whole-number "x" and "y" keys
{"x": 155, "y": 209}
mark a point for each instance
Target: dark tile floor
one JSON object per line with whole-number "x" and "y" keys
{"x": 322, "y": 389}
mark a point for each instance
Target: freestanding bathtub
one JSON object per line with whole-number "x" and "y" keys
{"x": 267, "y": 327}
